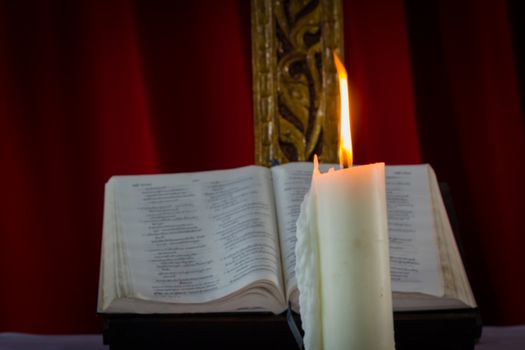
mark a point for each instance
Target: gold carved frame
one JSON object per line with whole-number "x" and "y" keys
{"x": 295, "y": 87}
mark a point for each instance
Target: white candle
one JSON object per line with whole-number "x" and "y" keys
{"x": 342, "y": 252}
{"x": 356, "y": 297}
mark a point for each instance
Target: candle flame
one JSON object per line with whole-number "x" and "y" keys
{"x": 316, "y": 165}
{"x": 345, "y": 137}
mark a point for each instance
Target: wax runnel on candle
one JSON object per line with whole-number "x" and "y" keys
{"x": 307, "y": 274}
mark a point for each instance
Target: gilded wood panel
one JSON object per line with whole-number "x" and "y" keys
{"x": 295, "y": 87}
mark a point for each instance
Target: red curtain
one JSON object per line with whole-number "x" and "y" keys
{"x": 93, "y": 89}
{"x": 471, "y": 128}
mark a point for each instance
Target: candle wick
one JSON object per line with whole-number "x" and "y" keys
{"x": 344, "y": 160}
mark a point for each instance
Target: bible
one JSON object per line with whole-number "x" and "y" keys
{"x": 224, "y": 241}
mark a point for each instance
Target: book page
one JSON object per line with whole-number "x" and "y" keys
{"x": 107, "y": 278}
{"x": 455, "y": 278}
{"x": 414, "y": 261}
{"x": 192, "y": 238}
{"x": 291, "y": 182}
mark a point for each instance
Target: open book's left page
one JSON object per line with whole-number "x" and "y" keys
{"x": 194, "y": 239}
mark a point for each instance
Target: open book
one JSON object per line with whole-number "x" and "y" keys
{"x": 222, "y": 241}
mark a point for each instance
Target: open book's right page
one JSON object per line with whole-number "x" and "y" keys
{"x": 414, "y": 256}
{"x": 454, "y": 275}
{"x": 291, "y": 182}
{"x": 414, "y": 261}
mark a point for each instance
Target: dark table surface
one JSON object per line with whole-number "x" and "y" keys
{"x": 494, "y": 338}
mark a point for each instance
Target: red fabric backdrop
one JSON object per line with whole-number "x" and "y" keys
{"x": 93, "y": 89}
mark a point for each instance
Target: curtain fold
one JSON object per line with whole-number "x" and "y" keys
{"x": 470, "y": 122}
{"x": 382, "y": 96}
{"x": 90, "y": 89}
{"x": 74, "y": 113}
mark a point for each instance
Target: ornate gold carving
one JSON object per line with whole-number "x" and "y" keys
{"x": 295, "y": 87}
